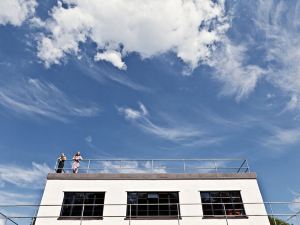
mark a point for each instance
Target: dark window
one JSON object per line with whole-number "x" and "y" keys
{"x": 86, "y": 204}
{"x": 221, "y": 203}
{"x": 153, "y": 204}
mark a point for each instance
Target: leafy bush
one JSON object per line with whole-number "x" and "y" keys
{"x": 276, "y": 221}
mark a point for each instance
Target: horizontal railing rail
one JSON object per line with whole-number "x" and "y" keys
{"x": 157, "y": 166}
{"x": 272, "y": 210}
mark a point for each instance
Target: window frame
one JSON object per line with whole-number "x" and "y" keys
{"x": 82, "y": 212}
{"x": 242, "y": 212}
{"x": 154, "y": 217}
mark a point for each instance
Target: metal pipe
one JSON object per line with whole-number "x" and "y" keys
{"x": 272, "y": 214}
{"x": 120, "y": 204}
{"x": 241, "y": 166}
{"x": 178, "y": 214}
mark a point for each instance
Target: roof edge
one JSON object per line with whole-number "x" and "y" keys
{"x": 151, "y": 176}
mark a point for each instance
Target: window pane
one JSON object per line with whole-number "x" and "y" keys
{"x": 230, "y": 203}
{"x": 78, "y": 204}
{"x": 76, "y": 201}
{"x": 153, "y": 203}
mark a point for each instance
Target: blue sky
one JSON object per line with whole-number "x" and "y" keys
{"x": 149, "y": 79}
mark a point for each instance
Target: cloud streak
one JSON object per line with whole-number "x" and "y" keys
{"x": 34, "y": 97}
{"x": 7, "y": 197}
{"x": 282, "y": 137}
{"x": 103, "y": 73}
{"x": 282, "y": 45}
{"x": 24, "y": 177}
{"x": 172, "y": 132}
{"x": 239, "y": 79}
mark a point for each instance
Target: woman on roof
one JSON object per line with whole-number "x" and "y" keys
{"x": 61, "y": 163}
{"x": 76, "y": 162}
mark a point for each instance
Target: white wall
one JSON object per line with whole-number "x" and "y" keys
{"x": 188, "y": 193}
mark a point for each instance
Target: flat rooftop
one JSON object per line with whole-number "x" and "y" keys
{"x": 139, "y": 176}
{"x": 159, "y": 166}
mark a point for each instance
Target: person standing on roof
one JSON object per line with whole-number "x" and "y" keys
{"x": 76, "y": 162}
{"x": 61, "y": 163}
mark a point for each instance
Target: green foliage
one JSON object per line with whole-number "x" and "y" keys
{"x": 276, "y": 221}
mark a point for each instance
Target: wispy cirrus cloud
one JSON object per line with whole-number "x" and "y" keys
{"x": 131, "y": 167}
{"x": 282, "y": 137}
{"x": 103, "y": 73}
{"x": 38, "y": 98}
{"x": 272, "y": 46}
{"x": 180, "y": 133}
{"x": 282, "y": 45}
{"x": 15, "y": 12}
{"x": 238, "y": 77}
{"x": 20, "y": 185}
{"x": 8, "y": 197}
{"x": 149, "y": 28}
{"x": 24, "y": 177}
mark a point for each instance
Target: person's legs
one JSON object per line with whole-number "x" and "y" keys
{"x": 75, "y": 167}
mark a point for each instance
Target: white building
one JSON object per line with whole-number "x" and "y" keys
{"x": 217, "y": 196}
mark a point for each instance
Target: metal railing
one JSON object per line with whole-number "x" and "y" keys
{"x": 6, "y": 220}
{"x": 158, "y": 166}
{"x": 273, "y": 212}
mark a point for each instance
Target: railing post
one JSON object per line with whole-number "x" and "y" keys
{"x": 178, "y": 214}
{"x": 82, "y": 214}
{"x": 216, "y": 168}
{"x": 5, "y": 221}
{"x": 129, "y": 214}
{"x": 152, "y": 162}
{"x": 88, "y": 168}
{"x": 225, "y": 213}
{"x": 55, "y": 167}
{"x": 248, "y": 167}
{"x": 184, "y": 165}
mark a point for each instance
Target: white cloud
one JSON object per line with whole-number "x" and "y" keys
{"x": 149, "y": 28}
{"x": 134, "y": 114}
{"x": 172, "y": 132}
{"x": 281, "y": 51}
{"x": 101, "y": 73}
{"x": 238, "y": 78}
{"x": 34, "y": 97}
{"x": 296, "y": 206}
{"x": 8, "y": 197}
{"x": 293, "y": 103}
{"x": 24, "y": 177}
{"x": 131, "y": 167}
{"x": 282, "y": 137}
{"x": 113, "y": 57}
{"x": 89, "y": 139}
{"x": 15, "y": 12}
{"x": 282, "y": 45}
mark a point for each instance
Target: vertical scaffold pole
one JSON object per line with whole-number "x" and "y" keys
{"x": 129, "y": 214}
{"x": 272, "y": 214}
{"x": 178, "y": 214}
{"x": 225, "y": 213}
{"x": 82, "y": 214}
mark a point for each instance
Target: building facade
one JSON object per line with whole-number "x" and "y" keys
{"x": 147, "y": 198}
